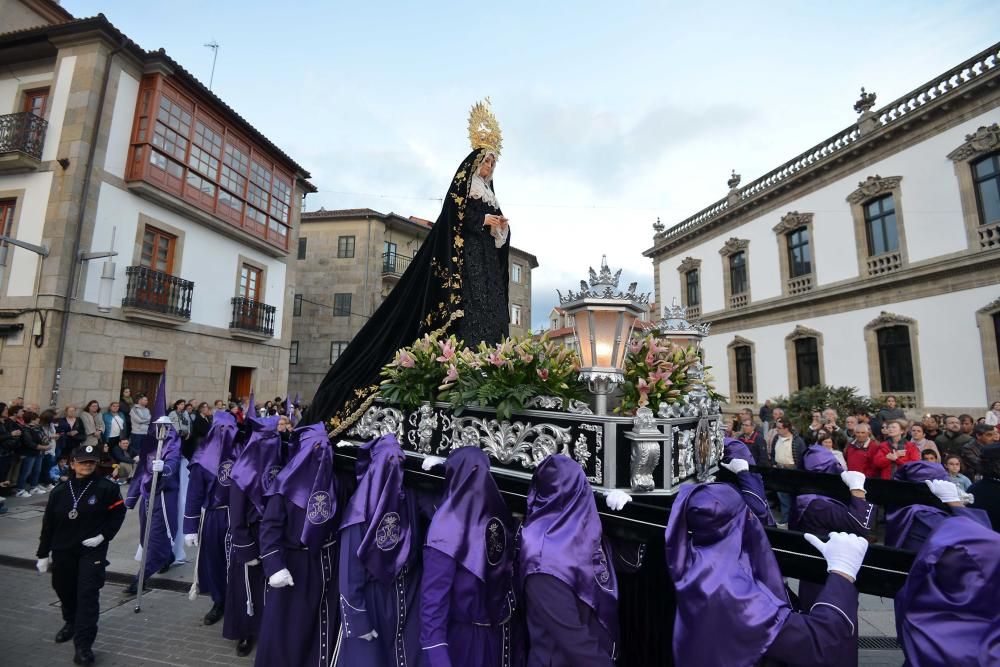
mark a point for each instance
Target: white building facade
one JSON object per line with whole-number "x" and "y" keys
{"x": 107, "y": 147}
{"x": 871, "y": 260}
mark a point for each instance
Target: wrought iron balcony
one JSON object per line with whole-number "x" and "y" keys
{"x": 167, "y": 297}
{"x": 253, "y": 318}
{"x": 394, "y": 264}
{"x": 21, "y": 139}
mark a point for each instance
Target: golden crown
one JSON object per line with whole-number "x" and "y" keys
{"x": 484, "y": 130}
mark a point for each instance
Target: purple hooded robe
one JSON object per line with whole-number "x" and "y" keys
{"x": 208, "y": 489}
{"x": 751, "y": 485}
{"x": 946, "y": 611}
{"x": 565, "y": 570}
{"x": 299, "y": 533}
{"x": 732, "y": 608}
{"x": 380, "y": 565}
{"x": 467, "y": 598}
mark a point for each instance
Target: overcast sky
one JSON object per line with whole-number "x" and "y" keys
{"x": 613, "y": 114}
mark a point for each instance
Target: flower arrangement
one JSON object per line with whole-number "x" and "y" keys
{"x": 657, "y": 371}
{"x": 503, "y": 376}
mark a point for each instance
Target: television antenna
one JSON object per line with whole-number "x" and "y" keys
{"x": 214, "y": 45}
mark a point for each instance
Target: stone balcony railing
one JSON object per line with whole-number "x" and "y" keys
{"x": 989, "y": 236}
{"x": 800, "y": 285}
{"x": 739, "y": 300}
{"x": 880, "y": 265}
{"x": 745, "y": 398}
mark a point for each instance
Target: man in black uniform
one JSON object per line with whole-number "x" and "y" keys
{"x": 83, "y": 515}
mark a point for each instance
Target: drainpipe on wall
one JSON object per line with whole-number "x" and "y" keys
{"x": 78, "y": 241}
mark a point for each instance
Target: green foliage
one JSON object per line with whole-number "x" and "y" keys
{"x": 503, "y": 377}
{"x": 800, "y": 405}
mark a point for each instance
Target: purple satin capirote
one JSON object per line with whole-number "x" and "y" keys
{"x": 259, "y": 462}
{"x": 379, "y": 502}
{"x": 946, "y": 611}
{"x": 217, "y": 445}
{"x": 562, "y": 537}
{"x": 737, "y": 449}
{"x": 818, "y": 458}
{"x": 308, "y": 483}
{"x": 472, "y": 524}
{"x": 919, "y": 471}
{"x": 729, "y": 587}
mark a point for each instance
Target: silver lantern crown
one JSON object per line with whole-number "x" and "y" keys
{"x": 674, "y": 326}
{"x": 603, "y": 318}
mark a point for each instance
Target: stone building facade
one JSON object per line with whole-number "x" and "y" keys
{"x": 348, "y": 261}
{"x": 109, "y": 148}
{"x": 870, "y": 260}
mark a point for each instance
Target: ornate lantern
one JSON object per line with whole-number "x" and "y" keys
{"x": 162, "y": 424}
{"x": 603, "y": 318}
{"x": 675, "y": 326}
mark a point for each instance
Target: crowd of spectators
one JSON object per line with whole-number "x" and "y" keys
{"x": 876, "y": 445}
{"x": 35, "y": 444}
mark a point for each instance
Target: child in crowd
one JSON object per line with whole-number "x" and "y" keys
{"x": 954, "y": 465}
{"x": 929, "y": 455}
{"x": 826, "y": 440}
{"x": 60, "y": 471}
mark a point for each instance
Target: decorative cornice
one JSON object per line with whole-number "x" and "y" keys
{"x": 982, "y": 141}
{"x": 886, "y": 319}
{"x": 872, "y": 187}
{"x": 688, "y": 264}
{"x": 739, "y": 341}
{"x": 803, "y": 332}
{"x": 991, "y": 307}
{"x": 733, "y": 246}
{"x": 792, "y": 221}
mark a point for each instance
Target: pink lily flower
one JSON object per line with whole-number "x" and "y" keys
{"x": 452, "y": 373}
{"x": 644, "y": 388}
{"x": 405, "y": 360}
{"x": 495, "y": 359}
{"x": 543, "y": 373}
{"x": 447, "y": 352}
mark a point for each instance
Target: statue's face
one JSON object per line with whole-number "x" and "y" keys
{"x": 486, "y": 167}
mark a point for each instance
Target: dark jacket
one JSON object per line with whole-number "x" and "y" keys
{"x": 33, "y": 437}
{"x": 970, "y": 453}
{"x": 8, "y": 443}
{"x": 67, "y": 442}
{"x": 758, "y": 448}
{"x": 951, "y": 443}
{"x": 798, "y": 449}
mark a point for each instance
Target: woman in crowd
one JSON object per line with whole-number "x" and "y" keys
{"x": 919, "y": 439}
{"x": 33, "y": 443}
{"x": 895, "y": 451}
{"x": 10, "y": 443}
{"x": 179, "y": 418}
{"x": 93, "y": 424}
{"x": 114, "y": 426}
{"x": 826, "y": 440}
{"x": 47, "y": 420}
{"x": 70, "y": 431}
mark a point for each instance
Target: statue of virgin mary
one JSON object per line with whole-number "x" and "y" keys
{"x": 456, "y": 283}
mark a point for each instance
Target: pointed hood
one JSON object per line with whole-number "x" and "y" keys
{"x": 308, "y": 482}
{"x": 260, "y": 462}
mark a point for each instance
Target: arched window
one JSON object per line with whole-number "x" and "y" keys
{"x": 807, "y": 362}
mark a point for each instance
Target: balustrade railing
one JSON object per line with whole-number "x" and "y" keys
{"x": 989, "y": 236}
{"x": 880, "y": 265}
{"x": 157, "y": 291}
{"x": 23, "y": 133}
{"x": 739, "y": 300}
{"x": 252, "y": 316}
{"x": 394, "y": 263}
{"x": 800, "y": 285}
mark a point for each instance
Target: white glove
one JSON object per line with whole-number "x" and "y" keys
{"x": 617, "y": 499}
{"x": 736, "y": 466}
{"x": 253, "y": 563}
{"x": 854, "y": 480}
{"x": 370, "y": 636}
{"x": 431, "y": 461}
{"x": 191, "y": 540}
{"x": 843, "y": 552}
{"x": 93, "y": 541}
{"x": 281, "y": 578}
{"x": 157, "y": 465}
{"x": 42, "y": 565}
{"x": 947, "y": 492}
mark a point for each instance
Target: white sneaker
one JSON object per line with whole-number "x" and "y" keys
{"x": 39, "y": 490}
{"x": 21, "y": 493}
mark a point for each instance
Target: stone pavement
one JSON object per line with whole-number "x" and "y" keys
{"x": 169, "y": 630}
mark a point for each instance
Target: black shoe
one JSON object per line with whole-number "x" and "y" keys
{"x": 133, "y": 588}
{"x": 83, "y": 656}
{"x": 244, "y": 646}
{"x": 165, "y": 568}
{"x": 214, "y": 614}
{"x": 65, "y": 634}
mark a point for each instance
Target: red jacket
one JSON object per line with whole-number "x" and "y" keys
{"x": 883, "y": 466}
{"x": 860, "y": 460}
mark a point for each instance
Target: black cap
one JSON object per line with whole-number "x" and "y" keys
{"x": 990, "y": 452}
{"x": 86, "y": 453}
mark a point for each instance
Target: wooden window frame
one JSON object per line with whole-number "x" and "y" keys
{"x": 875, "y": 187}
{"x": 172, "y": 168}
{"x": 158, "y": 233}
{"x": 737, "y": 397}
{"x": 14, "y": 199}
{"x": 337, "y": 311}
{"x": 346, "y": 246}
{"x": 516, "y": 272}
{"x": 907, "y": 400}
{"x": 515, "y": 307}
{"x": 981, "y": 143}
{"x": 800, "y": 332}
{"x": 258, "y": 293}
{"x": 730, "y": 248}
{"x": 31, "y": 93}
{"x": 790, "y": 223}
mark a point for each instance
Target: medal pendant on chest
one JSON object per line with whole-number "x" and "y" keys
{"x": 73, "y": 513}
